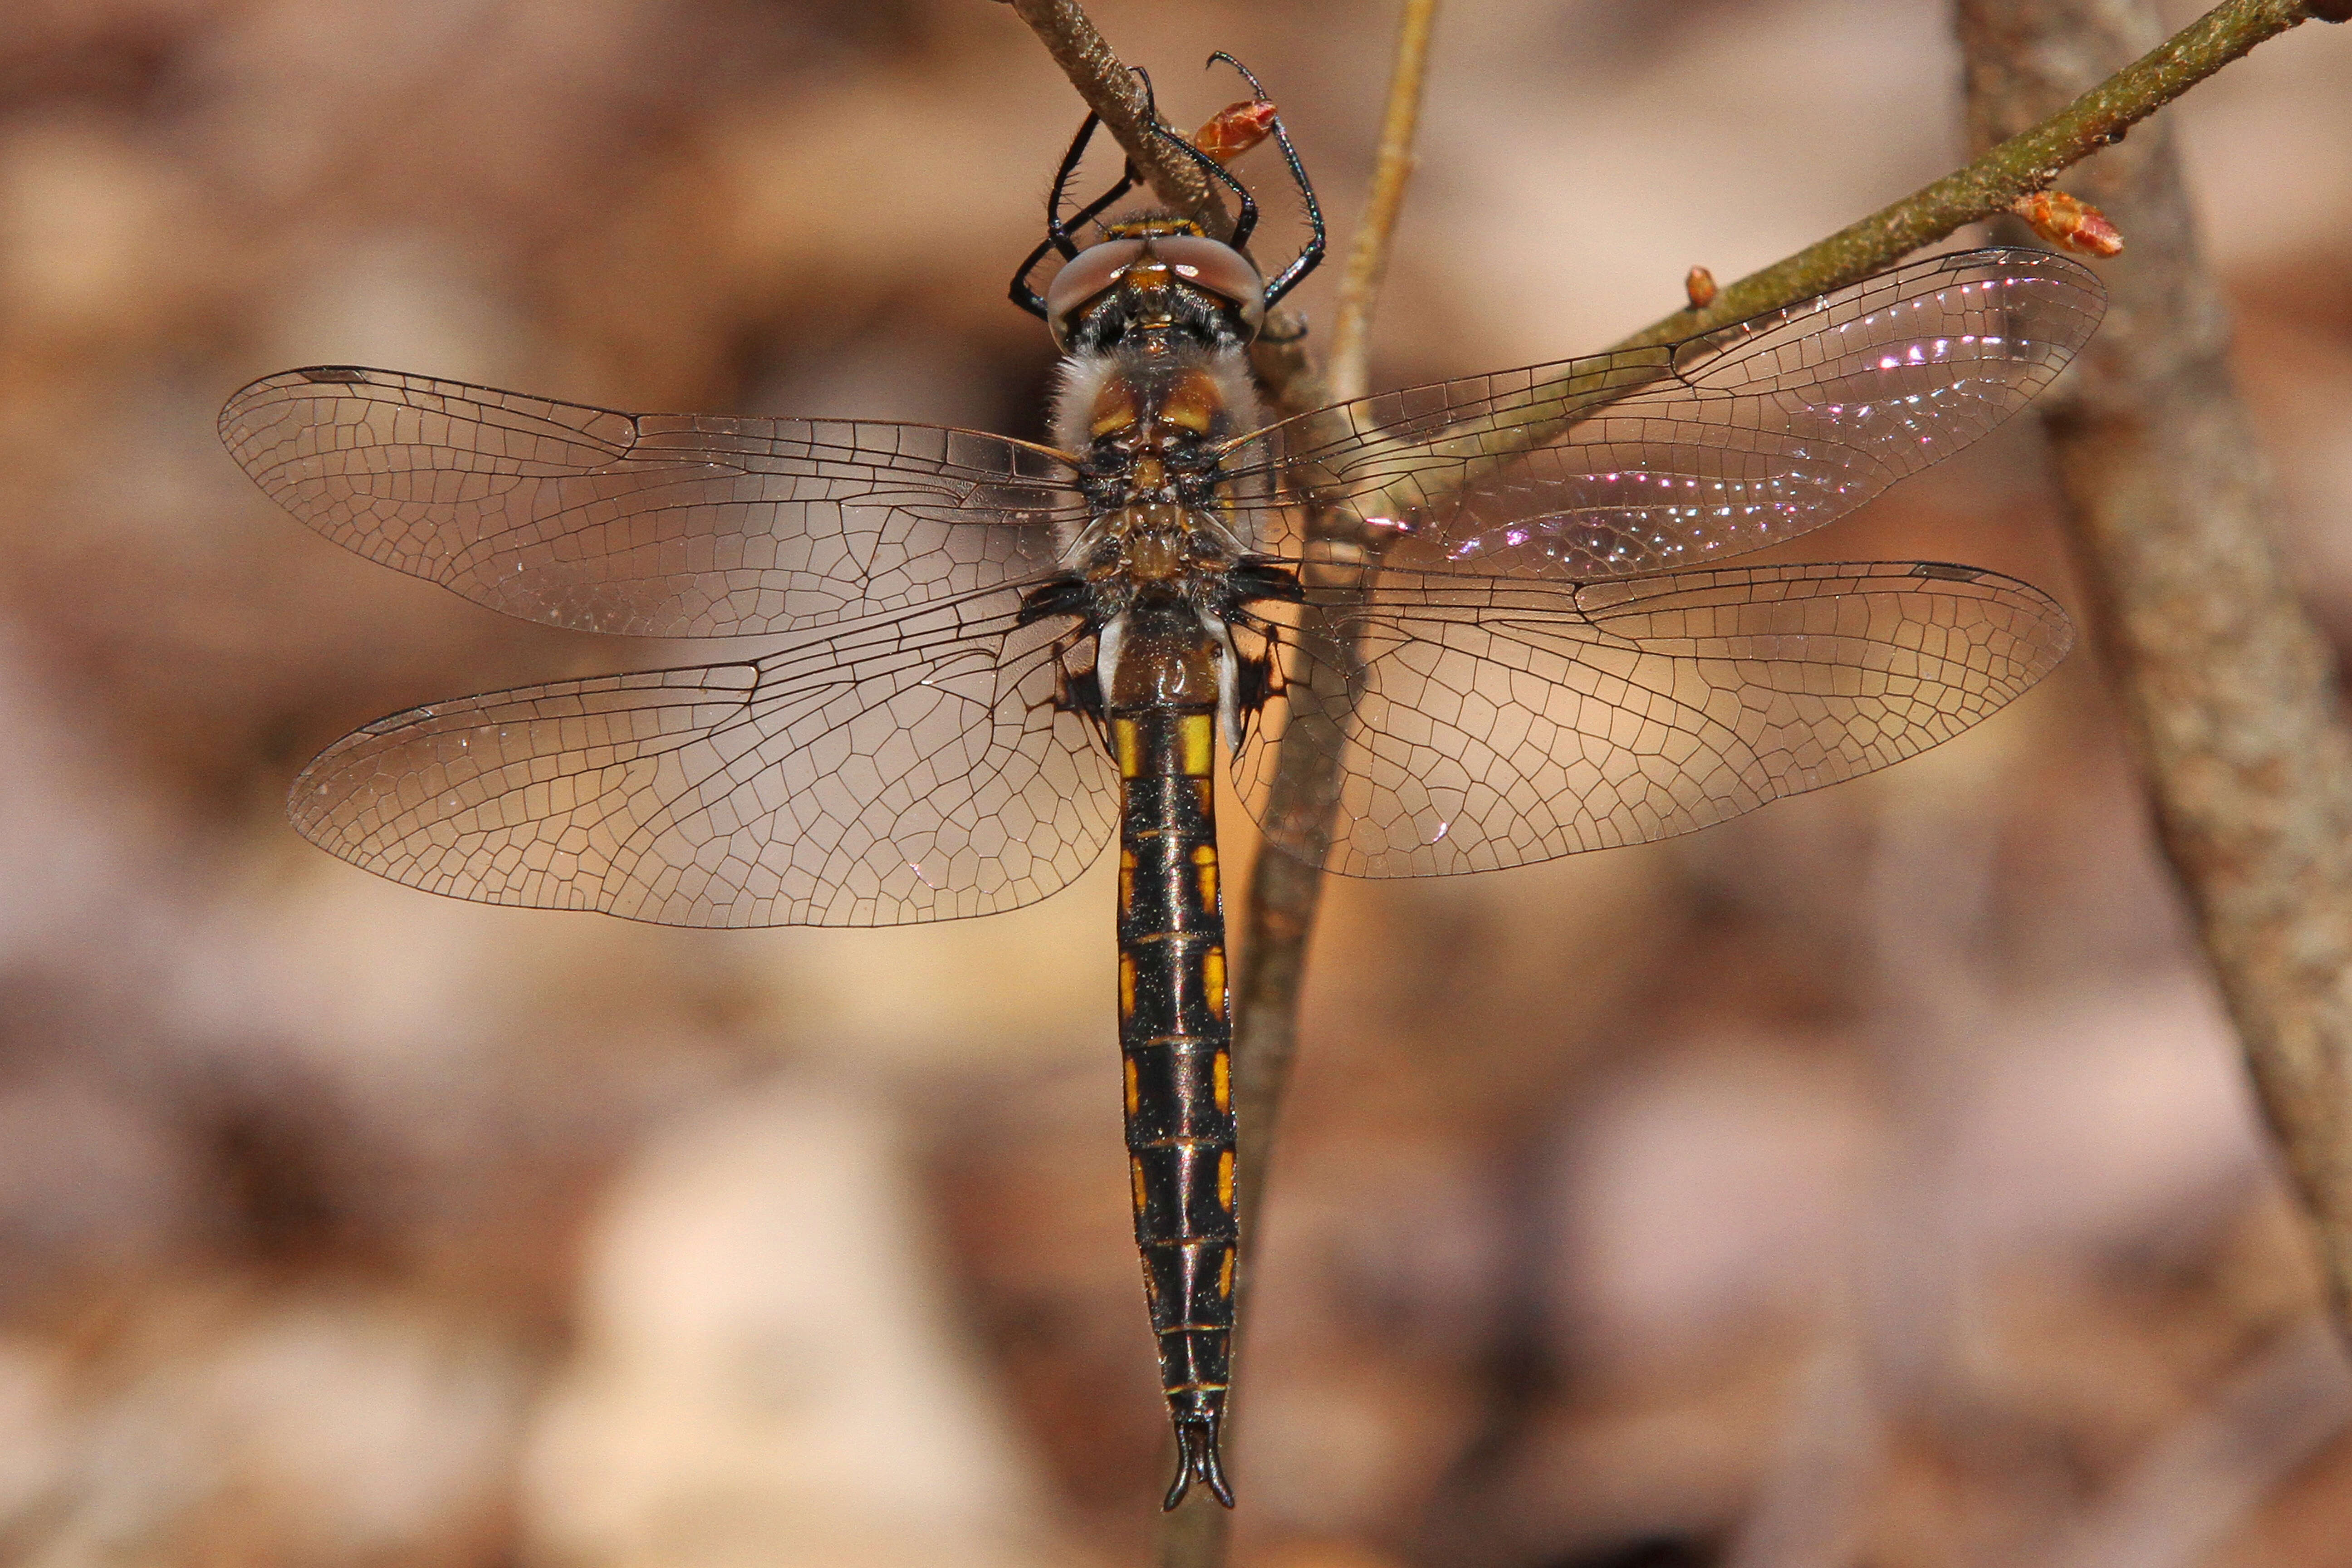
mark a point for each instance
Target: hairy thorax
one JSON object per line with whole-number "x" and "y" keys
{"x": 1148, "y": 419}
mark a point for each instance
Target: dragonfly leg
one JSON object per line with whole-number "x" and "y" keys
{"x": 1057, "y": 232}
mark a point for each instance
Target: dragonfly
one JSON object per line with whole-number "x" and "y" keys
{"x": 977, "y": 660}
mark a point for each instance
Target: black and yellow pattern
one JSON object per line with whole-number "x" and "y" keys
{"x": 1176, "y": 1037}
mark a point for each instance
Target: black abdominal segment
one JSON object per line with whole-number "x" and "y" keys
{"x": 1175, "y": 1036}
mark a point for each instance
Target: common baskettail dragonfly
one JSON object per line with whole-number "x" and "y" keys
{"x": 996, "y": 655}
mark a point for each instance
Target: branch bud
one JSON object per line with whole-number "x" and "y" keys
{"x": 2070, "y": 223}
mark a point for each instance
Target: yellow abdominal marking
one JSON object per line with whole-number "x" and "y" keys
{"x": 1225, "y": 1180}
{"x": 1125, "y": 882}
{"x": 1205, "y": 859}
{"x": 1197, "y": 732}
{"x": 1136, "y": 1167}
{"x": 1134, "y": 1092}
{"x": 1222, "y": 1076}
{"x": 1126, "y": 747}
{"x": 1126, "y": 985}
{"x": 1213, "y": 977}
{"x": 1225, "y": 1274}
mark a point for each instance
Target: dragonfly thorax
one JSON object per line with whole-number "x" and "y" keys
{"x": 1148, "y": 420}
{"x": 1151, "y": 420}
{"x": 1159, "y": 545}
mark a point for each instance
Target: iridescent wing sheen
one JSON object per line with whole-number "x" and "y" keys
{"x": 1653, "y": 458}
{"x": 651, "y": 524}
{"x": 1480, "y": 722}
{"x": 913, "y": 769}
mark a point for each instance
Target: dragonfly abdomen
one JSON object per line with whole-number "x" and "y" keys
{"x": 1175, "y": 1039}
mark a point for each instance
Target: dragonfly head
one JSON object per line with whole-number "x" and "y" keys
{"x": 1155, "y": 272}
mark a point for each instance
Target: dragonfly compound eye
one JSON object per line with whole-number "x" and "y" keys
{"x": 1207, "y": 265}
{"x": 1093, "y": 273}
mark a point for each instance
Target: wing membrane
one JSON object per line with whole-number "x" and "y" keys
{"x": 1479, "y": 722}
{"x": 1640, "y": 461}
{"x": 907, "y": 772}
{"x": 655, "y": 525}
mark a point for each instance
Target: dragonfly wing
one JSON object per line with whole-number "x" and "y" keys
{"x": 652, "y": 525}
{"x": 903, "y": 772}
{"x": 1650, "y": 460}
{"x": 1465, "y": 723}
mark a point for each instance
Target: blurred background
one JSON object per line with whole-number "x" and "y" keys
{"x": 1868, "y": 1181}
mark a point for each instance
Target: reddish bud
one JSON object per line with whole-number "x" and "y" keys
{"x": 1700, "y": 286}
{"x": 1234, "y": 130}
{"x": 2069, "y": 224}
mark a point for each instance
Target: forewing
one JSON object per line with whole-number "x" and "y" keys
{"x": 1478, "y": 723}
{"x": 650, "y": 524}
{"x": 902, "y": 772}
{"x": 1642, "y": 461}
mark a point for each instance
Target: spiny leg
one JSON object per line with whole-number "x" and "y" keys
{"x": 1311, "y": 256}
{"x": 1057, "y": 233}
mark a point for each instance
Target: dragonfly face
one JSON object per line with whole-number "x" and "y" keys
{"x": 988, "y": 658}
{"x": 1157, "y": 273}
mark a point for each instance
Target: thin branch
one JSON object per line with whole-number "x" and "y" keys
{"x": 1985, "y": 188}
{"x": 1114, "y": 92}
{"x": 1368, "y": 257}
{"x": 1988, "y": 186}
{"x": 2230, "y": 689}
{"x": 1285, "y": 892}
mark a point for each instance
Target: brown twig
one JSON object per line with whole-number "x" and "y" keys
{"x": 1986, "y": 187}
{"x": 1368, "y": 257}
{"x": 2025, "y": 162}
{"x": 1114, "y": 92}
{"x": 2231, "y": 691}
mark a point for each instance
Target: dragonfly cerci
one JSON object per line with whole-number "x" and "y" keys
{"x": 1489, "y": 613}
